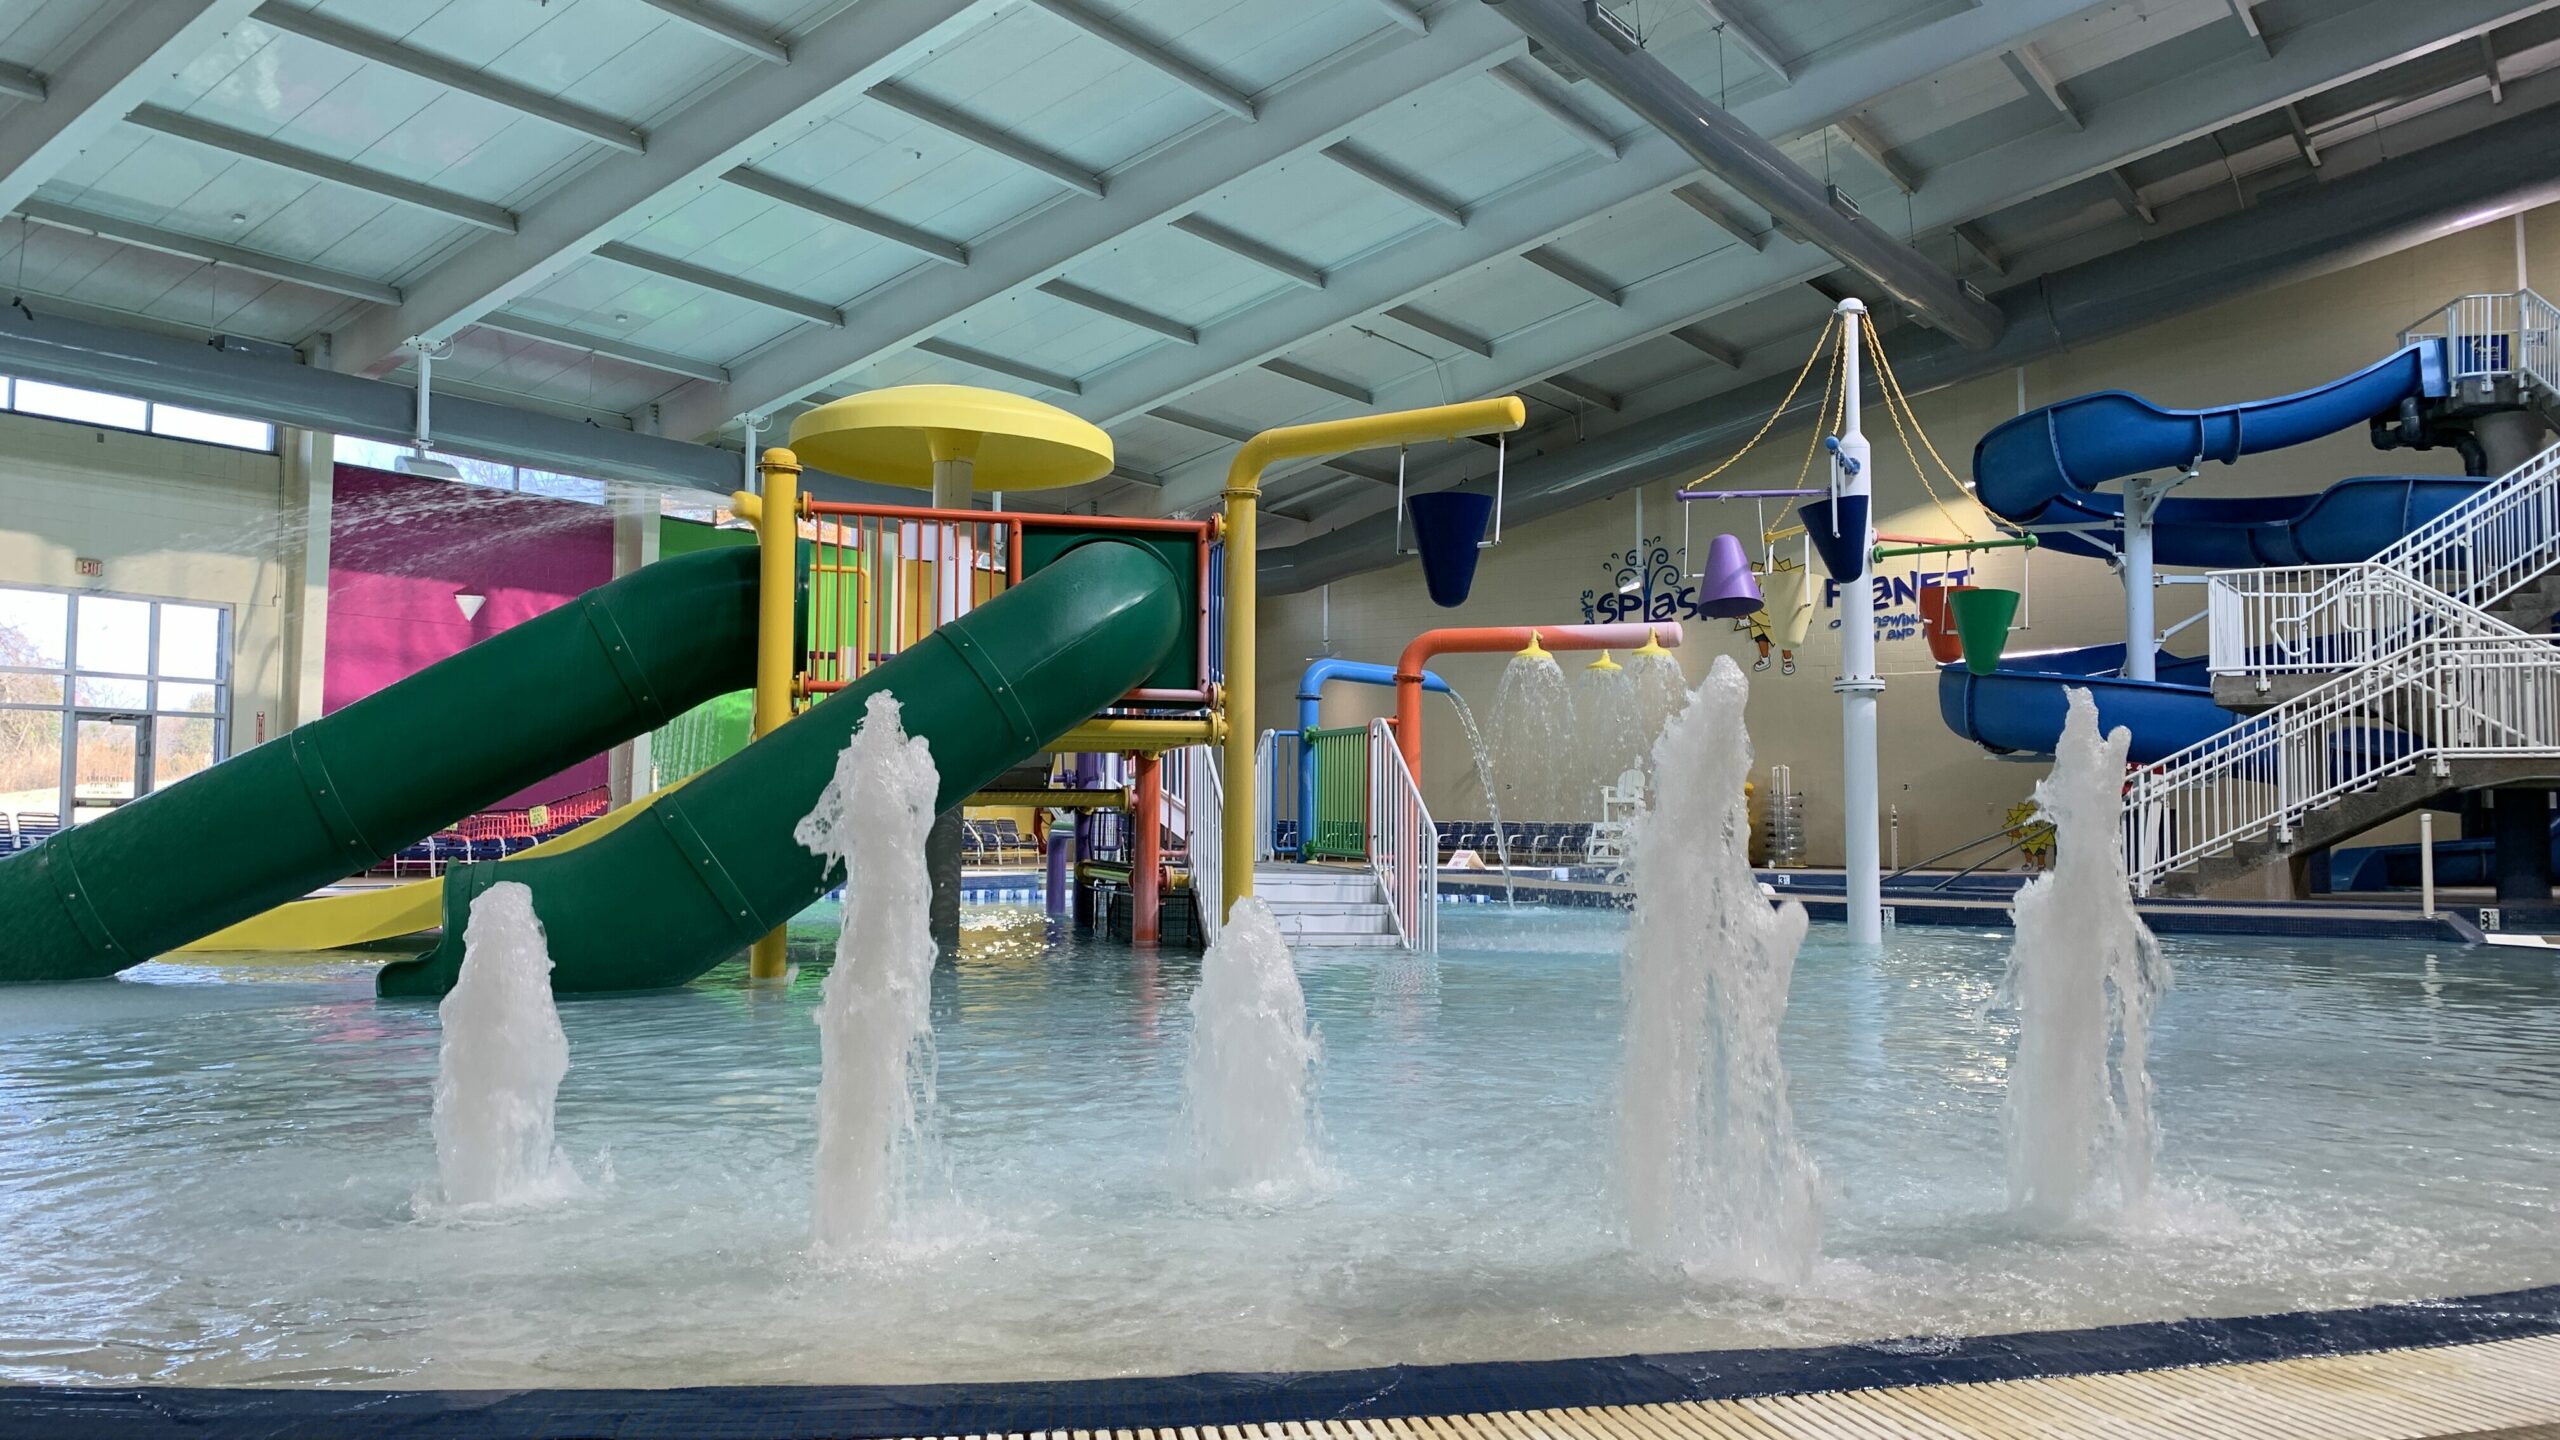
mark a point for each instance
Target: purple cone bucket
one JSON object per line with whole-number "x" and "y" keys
{"x": 1837, "y": 528}
{"x": 1727, "y": 589}
{"x": 1446, "y": 526}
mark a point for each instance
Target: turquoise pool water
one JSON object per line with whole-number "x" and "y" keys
{"x": 210, "y": 1174}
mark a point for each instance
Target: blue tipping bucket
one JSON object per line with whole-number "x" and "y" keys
{"x": 1447, "y": 525}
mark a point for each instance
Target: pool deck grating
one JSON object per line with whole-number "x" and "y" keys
{"x": 2503, "y": 1390}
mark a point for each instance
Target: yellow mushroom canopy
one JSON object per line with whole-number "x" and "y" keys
{"x": 894, "y": 436}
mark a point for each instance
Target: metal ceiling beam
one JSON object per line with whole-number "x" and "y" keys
{"x": 1558, "y": 109}
{"x": 719, "y": 284}
{"x": 1447, "y": 331}
{"x": 1398, "y": 184}
{"x": 2302, "y": 134}
{"x": 1582, "y": 390}
{"x": 1735, "y": 153}
{"x": 995, "y": 364}
{"x": 726, "y": 28}
{"x": 1727, "y": 218}
{"x": 1562, "y": 266}
{"x": 2488, "y": 71}
{"x": 1206, "y": 425}
{"x": 989, "y": 138}
{"x": 1152, "y": 55}
{"x": 1747, "y": 38}
{"x": 1978, "y": 242}
{"x": 1698, "y": 338}
{"x": 211, "y": 252}
{"x": 2346, "y": 45}
{"x": 621, "y": 195}
{"x": 133, "y": 55}
{"x": 849, "y": 215}
{"x": 1167, "y": 187}
{"x": 17, "y": 82}
{"x": 2243, "y": 11}
{"x": 1404, "y": 14}
{"x": 311, "y": 163}
{"x": 1245, "y": 247}
{"x": 1121, "y": 310}
{"x": 2032, "y": 72}
{"x": 1308, "y": 375}
{"x": 1865, "y": 139}
{"x": 2129, "y": 197}
{"x": 383, "y": 50}
{"x": 2302, "y": 232}
{"x": 643, "y": 356}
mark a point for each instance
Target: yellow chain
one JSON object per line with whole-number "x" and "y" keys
{"x": 1893, "y": 389}
{"x": 1819, "y": 344}
{"x": 1875, "y": 348}
{"x": 1833, "y": 397}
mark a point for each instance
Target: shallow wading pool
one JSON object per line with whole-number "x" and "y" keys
{"x": 211, "y": 1174}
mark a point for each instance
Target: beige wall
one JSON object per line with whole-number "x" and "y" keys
{"x": 170, "y": 520}
{"x": 1946, "y": 789}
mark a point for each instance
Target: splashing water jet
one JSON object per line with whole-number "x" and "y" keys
{"x": 1532, "y": 734}
{"x": 1608, "y": 732}
{"x": 875, "y": 1014}
{"x": 1483, "y": 753}
{"x": 499, "y": 1068}
{"x": 2085, "y": 975}
{"x": 1661, "y": 691}
{"x": 1245, "y": 1084}
{"x": 1716, "y": 1182}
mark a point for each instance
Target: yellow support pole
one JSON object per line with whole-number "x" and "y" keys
{"x": 776, "y": 513}
{"x": 1243, "y": 496}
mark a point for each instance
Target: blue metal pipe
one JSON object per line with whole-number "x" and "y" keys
{"x": 1310, "y": 694}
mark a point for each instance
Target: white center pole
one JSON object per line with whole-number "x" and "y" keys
{"x": 1858, "y": 686}
{"x": 2141, "y": 627}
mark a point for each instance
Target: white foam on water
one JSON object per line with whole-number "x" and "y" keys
{"x": 499, "y": 1065}
{"x": 1715, "y": 1180}
{"x": 875, "y": 1010}
{"x": 2084, "y": 976}
{"x": 1247, "y": 1119}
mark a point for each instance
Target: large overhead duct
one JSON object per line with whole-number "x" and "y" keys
{"x": 2310, "y": 230}
{"x": 1590, "y": 41}
{"x": 172, "y": 371}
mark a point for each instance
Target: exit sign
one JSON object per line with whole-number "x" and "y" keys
{"x": 89, "y": 567}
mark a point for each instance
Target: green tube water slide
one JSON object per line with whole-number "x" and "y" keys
{"x": 694, "y": 879}
{"x": 329, "y": 799}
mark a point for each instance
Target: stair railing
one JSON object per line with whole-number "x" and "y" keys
{"x": 1404, "y": 844}
{"x": 2492, "y": 336}
{"x": 2323, "y": 619}
{"x": 2436, "y": 700}
{"x": 1209, "y": 817}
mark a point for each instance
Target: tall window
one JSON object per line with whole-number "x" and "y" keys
{"x": 106, "y": 698}
{"x": 124, "y": 412}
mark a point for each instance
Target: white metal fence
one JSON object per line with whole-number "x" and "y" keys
{"x": 2494, "y": 335}
{"x": 2435, "y": 700}
{"x": 1275, "y": 769}
{"x": 1207, "y": 788}
{"x": 2322, "y": 619}
{"x": 1404, "y": 846}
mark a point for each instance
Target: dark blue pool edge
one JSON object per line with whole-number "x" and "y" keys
{"x": 861, "y": 1412}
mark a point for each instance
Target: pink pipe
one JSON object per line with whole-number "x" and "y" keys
{"x": 1496, "y": 639}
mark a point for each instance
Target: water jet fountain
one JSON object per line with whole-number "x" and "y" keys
{"x": 499, "y": 1068}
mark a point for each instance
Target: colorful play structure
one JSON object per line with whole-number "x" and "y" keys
{"x": 1003, "y": 635}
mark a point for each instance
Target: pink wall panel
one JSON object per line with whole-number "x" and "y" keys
{"x": 401, "y": 548}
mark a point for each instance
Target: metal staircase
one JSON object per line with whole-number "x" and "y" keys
{"x": 2380, "y": 686}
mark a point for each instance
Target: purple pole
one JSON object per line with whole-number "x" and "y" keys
{"x": 1062, "y": 854}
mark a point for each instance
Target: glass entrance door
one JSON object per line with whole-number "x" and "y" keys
{"x": 110, "y": 762}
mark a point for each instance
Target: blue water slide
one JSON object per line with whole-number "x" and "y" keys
{"x": 1310, "y": 695}
{"x": 2043, "y": 468}
{"x": 2018, "y": 709}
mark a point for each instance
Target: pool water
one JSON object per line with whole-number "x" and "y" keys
{"x": 214, "y": 1175}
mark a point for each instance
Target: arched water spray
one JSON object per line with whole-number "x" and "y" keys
{"x": 875, "y": 1016}
{"x": 1247, "y": 1124}
{"x": 1532, "y": 736}
{"x": 1715, "y": 1180}
{"x": 499, "y": 1068}
{"x": 2085, "y": 975}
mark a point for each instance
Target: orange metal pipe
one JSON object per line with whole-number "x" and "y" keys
{"x": 1146, "y": 862}
{"x": 1501, "y": 639}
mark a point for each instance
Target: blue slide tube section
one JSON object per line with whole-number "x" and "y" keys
{"x": 1310, "y": 694}
{"x": 2019, "y": 708}
{"x": 2044, "y": 467}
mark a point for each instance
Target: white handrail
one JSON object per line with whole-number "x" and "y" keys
{"x": 2323, "y": 619}
{"x": 2487, "y": 336}
{"x": 1209, "y": 812}
{"x": 2435, "y": 700}
{"x": 1275, "y": 767}
{"x": 1404, "y": 846}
